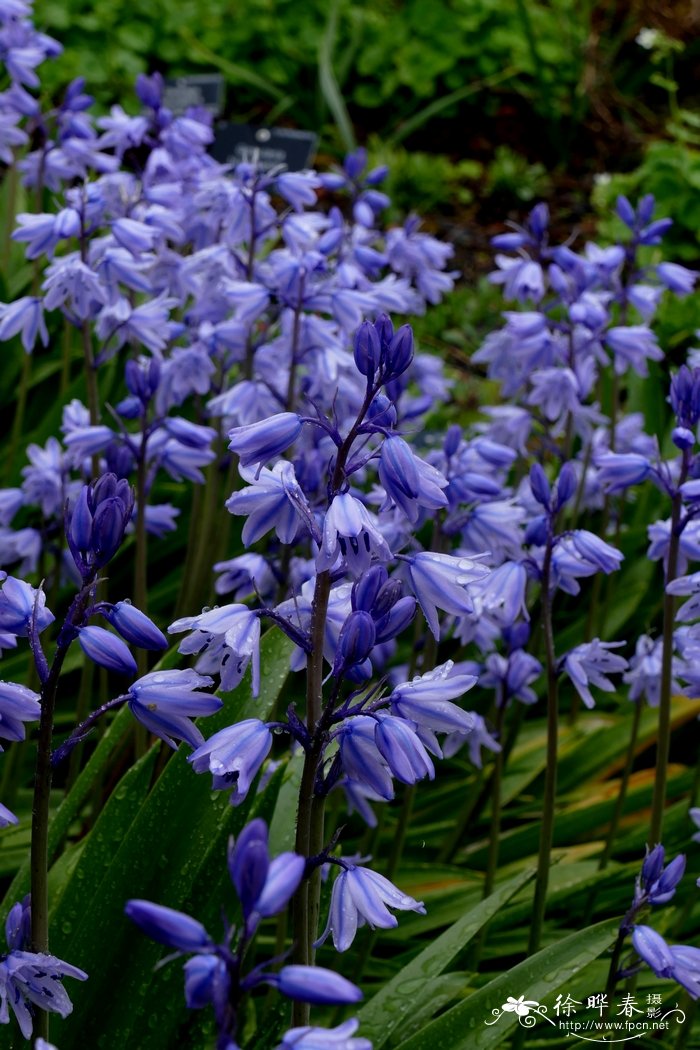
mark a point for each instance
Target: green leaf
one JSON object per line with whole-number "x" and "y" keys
{"x": 328, "y": 82}
{"x": 463, "y": 1027}
{"x": 170, "y": 848}
{"x": 387, "y": 1009}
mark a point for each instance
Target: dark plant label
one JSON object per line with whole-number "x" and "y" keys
{"x": 267, "y": 147}
{"x": 195, "y": 89}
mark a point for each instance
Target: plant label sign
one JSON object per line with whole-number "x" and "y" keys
{"x": 267, "y": 147}
{"x": 197, "y": 89}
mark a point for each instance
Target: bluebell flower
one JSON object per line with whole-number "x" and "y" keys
{"x": 685, "y": 585}
{"x": 361, "y": 758}
{"x": 19, "y": 602}
{"x": 441, "y": 581}
{"x": 230, "y": 638}
{"x": 165, "y": 701}
{"x": 644, "y": 674}
{"x": 355, "y": 643}
{"x": 633, "y": 346}
{"x": 18, "y": 705}
{"x": 596, "y": 551}
{"x": 591, "y": 663}
{"x": 29, "y": 979}
{"x": 25, "y": 316}
{"x": 402, "y": 749}
{"x": 501, "y": 595}
{"x": 678, "y": 279}
{"x": 272, "y": 500}
{"x": 245, "y": 575}
{"x": 476, "y": 738}
{"x": 7, "y": 817}
{"x": 259, "y": 442}
{"x": 426, "y": 700}
{"x": 106, "y": 649}
{"x": 360, "y": 896}
{"x": 340, "y": 1038}
{"x": 410, "y": 482}
{"x": 512, "y": 674}
{"x": 350, "y": 532}
{"x": 234, "y": 756}
{"x": 678, "y": 962}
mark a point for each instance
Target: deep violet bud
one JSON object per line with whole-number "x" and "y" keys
{"x": 169, "y": 927}
{"x": 259, "y": 442}
{"x": 663, "y": 888}
{"x": 249, "y": 863}
{"x": 81, "y": 522}
{"x": 367, "y": 349}
{"x": 685, "y": 396}
{"x": 683, "y": 438}
{"x": 453, "y": 438}
{"x": 566, "y": 485}
{"x": 625, "y": 211}
{"x": 652, "y": 866}
{"x": 149, "y": 89}
{"x": 314, "y": 984}
{"x": 382, "y": 411}
{"x": 135, "y": 626}
{"x": 399, "y": 354}
{"x": 106, "y": 650}
{"x": 385, "y": 331}
{"x": 366, "y": 589}
{"x": 355, "y": 643}
{"x": 540, "y": 485}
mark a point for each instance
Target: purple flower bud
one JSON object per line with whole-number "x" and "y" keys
{"x": 453, "y": 438}
{"x": 400, "y": 353}
{"x": 566, "y": 485}
{"x": 654, "y": 232}
{"x": 258, "y": 442}
{"x": 663, "y": 889}
{"x": 135, "y": 626}
{"x": 683, "y": 438}
{"x": 367, "y": 349}
{"x": 652, "y": 866}
{"x": 106, "y": 650}
{"x": 314, "y": 984}
{"x": 625, "y": 211}
{"x": 385, "y": 330}
{"x": 355, "y": 643}
{"x": 538, "y": 220}
{"x": 150, "y": 89}
{"x": 396, "y": 620}
{"x": 169, "y": 927}
{"x": 81, "y": 522}
{"x": 366, "y": 589}
{"x": 382, "y": 411}
{"x": 108, "y": 528}
{"x": 354, "y": 163}
{"x": 248, "y": 864}
{"x": 540, "y": 485}
{"x": 206, "y": 981}
{"x": 283, "y": 878}
{"x": 536, "y": 531}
